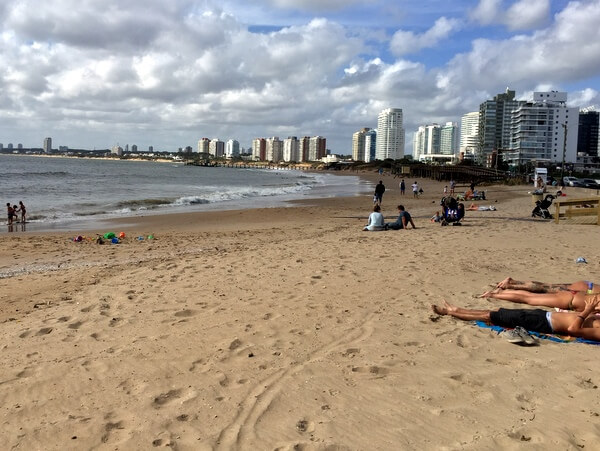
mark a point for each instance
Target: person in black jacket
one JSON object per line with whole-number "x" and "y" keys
{"x": 379, "y": 190}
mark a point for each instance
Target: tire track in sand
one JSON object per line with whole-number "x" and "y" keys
{"x": 256, "y": 403}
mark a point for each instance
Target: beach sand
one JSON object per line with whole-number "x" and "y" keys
{"x": 290, "y": 328}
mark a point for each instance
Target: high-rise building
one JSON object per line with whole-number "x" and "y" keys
{"x": 134, "y": 148}
{"x": 449, "y": 139}
{"x": 358, "y": 145}
{"x": 232, "y": 149}
{"x": 48, "y": 145}
{"x": 274, "y": 149}
{"x": 588, "y": 136}
{"x": 494, "y": 125}
{"x": 390, "y": 135}
{"x": 1, "y": 146}
{"x": 543, "y": 130}
{"x": 303, "y": 147}
{"x": 216, "y": 148}
{"x": 290, "y": 149}
{"x": 436, "y": 142}
{"x": 469, "y": 134}
{"x": 150, "y": 148}
{"x": 370, "y": 145}
{"x": 259, "y": 149}
{"x": 117, "y": 150}
{"x": 317, "y": 148}
{"x": 203, "y": 145}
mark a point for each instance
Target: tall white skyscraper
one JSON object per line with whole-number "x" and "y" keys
{"x": 390, "y": 135}
{"x": 290, "y": 149}
{"x": 232, "y": 148}
{"x": 469, "y": 133}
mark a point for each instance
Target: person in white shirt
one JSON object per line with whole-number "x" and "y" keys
{"x": 376, "y": 221}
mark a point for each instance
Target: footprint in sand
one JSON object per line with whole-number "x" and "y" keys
{"x": 165, "y": 398}
{"x": 75, "y": 325}
{"x": 185, "y": 313}
{"x": 44, "y": 331}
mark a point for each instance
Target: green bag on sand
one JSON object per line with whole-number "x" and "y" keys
{"x": 109, "y": 235}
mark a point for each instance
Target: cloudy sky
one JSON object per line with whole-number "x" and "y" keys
{"x": 92, "y": 73}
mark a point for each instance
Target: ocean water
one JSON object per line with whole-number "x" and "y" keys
{"x": 69, "y": 193}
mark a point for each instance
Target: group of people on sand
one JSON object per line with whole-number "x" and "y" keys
{"x": 577, "y": 307}
{"x": 377, "y": 221}
{"x": 13, "y": 212}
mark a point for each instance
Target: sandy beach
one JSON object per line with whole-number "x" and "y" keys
{"x": 292, "y": 329}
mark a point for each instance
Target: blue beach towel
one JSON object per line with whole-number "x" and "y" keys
{"x": 551, "y": 337}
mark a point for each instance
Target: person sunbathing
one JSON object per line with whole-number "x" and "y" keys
{"x": 584, "y": 325}
{"x": 565, "y": 300}
{"x": 543, "y": 287}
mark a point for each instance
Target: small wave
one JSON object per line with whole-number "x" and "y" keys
{"x": 139, "y": 203}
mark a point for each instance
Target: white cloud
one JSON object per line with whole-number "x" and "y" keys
{"x": 405, "y": 42}
{"x": 521, "y": 15}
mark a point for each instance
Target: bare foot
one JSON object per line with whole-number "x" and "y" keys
{"x": 439, "y": 310}
{"x": 490, "y": 293}
{"x": 505, "y": 283}
{"x": 449, "y": 307}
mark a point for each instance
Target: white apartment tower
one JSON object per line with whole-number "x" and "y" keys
{"x": 469, "y": 134}
{"x": 543, "y": 129}
{"x": 216, "y": 148}
{"x": 291, "y": 148}
{"x": 359, "y": 145}
{"x": 390, "y": 135}
{"x": 203, "y": 145}
{"x": 274, "y": 149}
{"x": 232, "y": 149}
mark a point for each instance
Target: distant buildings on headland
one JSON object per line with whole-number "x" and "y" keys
{"x": 542, "y": 130}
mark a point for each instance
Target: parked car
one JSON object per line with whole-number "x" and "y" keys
{"x": 590, "y": 183}
{"x": 572, "y": 181}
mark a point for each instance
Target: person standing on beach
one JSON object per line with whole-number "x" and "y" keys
{"x": 22, "y": 210}
{"x": 452, "y": 186}
{"x": 415, "y": 189}
{"x": 10, "y": 213}
{"x": 379, "y": 190}
{"x": 402, "y": 187}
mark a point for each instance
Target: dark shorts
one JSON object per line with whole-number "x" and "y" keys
{"x": 533, "y": 320}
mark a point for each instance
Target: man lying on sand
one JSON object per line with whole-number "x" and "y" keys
{"x": 543, "y": 287}
{"x": 584, "y": 325}
{"x": 566, "y": 300}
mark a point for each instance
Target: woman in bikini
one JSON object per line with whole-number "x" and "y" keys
{"x": 563, "y": 299}
{"x": 543, "y": 287}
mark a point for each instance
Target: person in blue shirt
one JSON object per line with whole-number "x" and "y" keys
{"x": 404, "y": 219}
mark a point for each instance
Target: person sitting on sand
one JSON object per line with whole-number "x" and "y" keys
{"x": 376, "y": 221}
{"x": 543, "y": 287}
{"x": 436, "y": 217}
{"x": 565, "y": 300}
{"x": 403, "y": 220}
{"x": 474, "y": 207}
{"x": 584, "y": 324}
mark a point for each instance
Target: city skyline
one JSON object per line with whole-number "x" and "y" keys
{"x": 91, "y": 75}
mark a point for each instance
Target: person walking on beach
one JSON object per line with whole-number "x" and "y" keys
{"x": 23, "y": 211}
{"x": 452, "y": 186}
{"x": 415, "y": 189}
{"x": 402, "y": 187}
{"x": 445, "y": 190}
{"x": 379, "y": 190}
